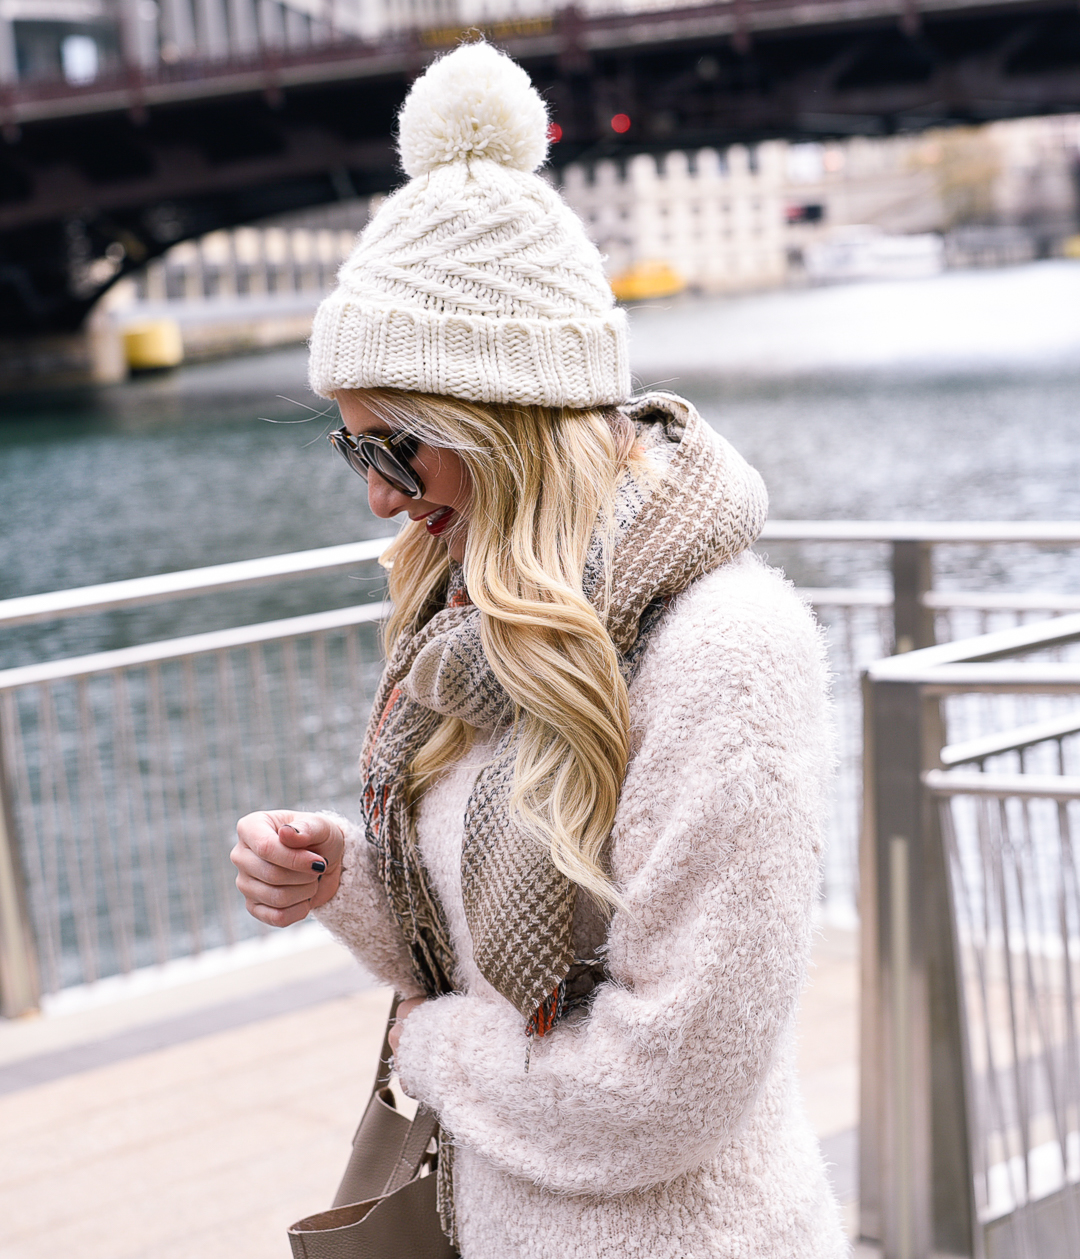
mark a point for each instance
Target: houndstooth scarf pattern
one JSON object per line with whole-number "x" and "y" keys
{"x": 708, "y": 507}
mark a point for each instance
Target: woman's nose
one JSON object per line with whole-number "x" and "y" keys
{"x": 383, "y": 499}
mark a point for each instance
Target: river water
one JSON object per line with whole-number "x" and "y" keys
{"x": 956, "y": 397}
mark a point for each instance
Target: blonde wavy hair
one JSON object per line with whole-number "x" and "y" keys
{"x": 542, "y": 478}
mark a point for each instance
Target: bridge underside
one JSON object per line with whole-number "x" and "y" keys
{"x": 86, "y": 198}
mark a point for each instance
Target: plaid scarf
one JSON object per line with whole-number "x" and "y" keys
{"x": 707, "y": 508}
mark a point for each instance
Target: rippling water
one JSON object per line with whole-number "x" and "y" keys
{"x": 951, "y": 398}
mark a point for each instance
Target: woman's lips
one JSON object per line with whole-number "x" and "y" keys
{"x": 439, "y": 521}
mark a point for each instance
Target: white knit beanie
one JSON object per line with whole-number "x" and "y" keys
{"x": 475, "y": 279}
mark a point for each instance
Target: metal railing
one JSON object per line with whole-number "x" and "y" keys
{"x": 122, "y": 773}
{"x": 863, "y": 625}
{"x": 970, "y": 1073}
{"x": 126, "y": 771}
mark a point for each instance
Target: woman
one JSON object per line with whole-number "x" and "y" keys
{"x": 593, "y": 779}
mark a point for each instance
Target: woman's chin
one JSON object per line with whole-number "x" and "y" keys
{"x": 455, "y": 546}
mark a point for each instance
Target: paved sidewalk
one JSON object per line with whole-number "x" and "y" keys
{"x": 198, "y": 1122}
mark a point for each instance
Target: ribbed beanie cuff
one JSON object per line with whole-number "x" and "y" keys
{"x": 546, "y": 362}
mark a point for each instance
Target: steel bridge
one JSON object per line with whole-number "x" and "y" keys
{"x": 97, "y": 179}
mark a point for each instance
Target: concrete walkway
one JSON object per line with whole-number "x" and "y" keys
{"x": 198, "y": 1122}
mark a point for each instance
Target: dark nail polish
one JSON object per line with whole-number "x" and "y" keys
{"x": 320, "y": 866}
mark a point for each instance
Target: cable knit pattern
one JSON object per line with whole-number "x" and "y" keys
{"x": 666, "y": 1123}
{"x": 475, "y": 279}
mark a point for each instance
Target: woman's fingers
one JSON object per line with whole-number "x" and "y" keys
{"x": 313, "y": 836}
{"x": 403, "y": 1011}
{"x": 281, "y": 860}
{"x": 249, "y": 862}
{"x": 302, "y": 843}
{"x": 273, "y": 895}
{"x": 278, "y": 917}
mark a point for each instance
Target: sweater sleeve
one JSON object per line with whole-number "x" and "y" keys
{"x": 360, "y": 917}
{"x": 716, "y": 847}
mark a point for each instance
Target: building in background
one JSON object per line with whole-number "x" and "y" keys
{"x": 751, "y": 218}
{"x": 233, "y": 291}
{"x": 716, "y": 219}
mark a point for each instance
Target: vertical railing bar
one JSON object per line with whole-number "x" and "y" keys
{"x": 84, "y": 852}
{"x": 1035, "y": 1001}
{"x": 324, "y": 743}
{"x": 185, "y": 842}
{"x": 900, "y": 962}
{"x": 157, "y": 853}
{"x": 274, "y": 788}
{"x": 89, "y": 752}
{"x": 977, "y": 1119}
{"x": 54, "y": 770}
{"x": 1069, "y": 877}
{"x": 1005, "y": 1120}
{"x": 292, "y": 727}
{"x": 202, "y": 786}
{"x": 194, "y": 796}
{"x": 31, "y": 825}
{"x": 234, "y": 753}
{"x": 1023, "y": 1110}
{"x": 132, "y": 811}
{"x": 20, "y": 969}
{"x": 1068, "y": 1050}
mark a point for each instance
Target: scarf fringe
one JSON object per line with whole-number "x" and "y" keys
{"x": 444, "y": 1171}
{"x": 547, "y": 1013}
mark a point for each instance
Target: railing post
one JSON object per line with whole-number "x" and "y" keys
{"x": 916, "y": 1187}
{"x": 912, "y": 577}
{"x": 19, "y": 980}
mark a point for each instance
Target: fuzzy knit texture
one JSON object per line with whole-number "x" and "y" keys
{"x": 475, "y": 279}
{"x": 666, "y": 1121}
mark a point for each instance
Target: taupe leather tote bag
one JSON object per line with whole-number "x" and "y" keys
{"x": 385, "y": 1205}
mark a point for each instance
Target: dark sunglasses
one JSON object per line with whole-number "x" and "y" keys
{"x": 388, "y": 456}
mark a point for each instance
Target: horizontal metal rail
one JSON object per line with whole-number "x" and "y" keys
{"x": 998, "y": 679}
{"x": 1063, "y": 532}
{"x": 1010, "y": 741}
{"x": 1002, "y": 786}
{"x": 977, "y": 601}
{"x": 942, "y": 600}
{"x": 194, "y": 645}
{"x": 53, "y": 605}
{"x": 928, "y": 661}
{"x": 193, "y": 581}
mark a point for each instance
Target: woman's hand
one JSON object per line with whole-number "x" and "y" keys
{"x": 289, "y": 864}
{"x": 403, "y": 1011}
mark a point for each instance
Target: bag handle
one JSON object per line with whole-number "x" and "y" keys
{"x": 425, "y": 1124}
{"x": 386, "y": 1054}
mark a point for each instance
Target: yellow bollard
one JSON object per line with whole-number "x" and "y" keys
{"x": 645, "y": 280}
{"x": 154, "y": 344}
{"x": 1071, "y": 248}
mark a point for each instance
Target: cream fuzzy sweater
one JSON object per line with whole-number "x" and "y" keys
{"x": 667, "y": 1122}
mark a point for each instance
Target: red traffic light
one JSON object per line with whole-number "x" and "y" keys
{"x": 620, "y": 123}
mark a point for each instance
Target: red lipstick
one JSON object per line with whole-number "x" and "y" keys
{"x": 439, "y": 521}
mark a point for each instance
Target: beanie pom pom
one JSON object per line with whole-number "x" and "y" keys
{"x": 473, "y": 102}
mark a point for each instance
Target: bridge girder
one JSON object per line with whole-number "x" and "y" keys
{"x": 95, "y": 184}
